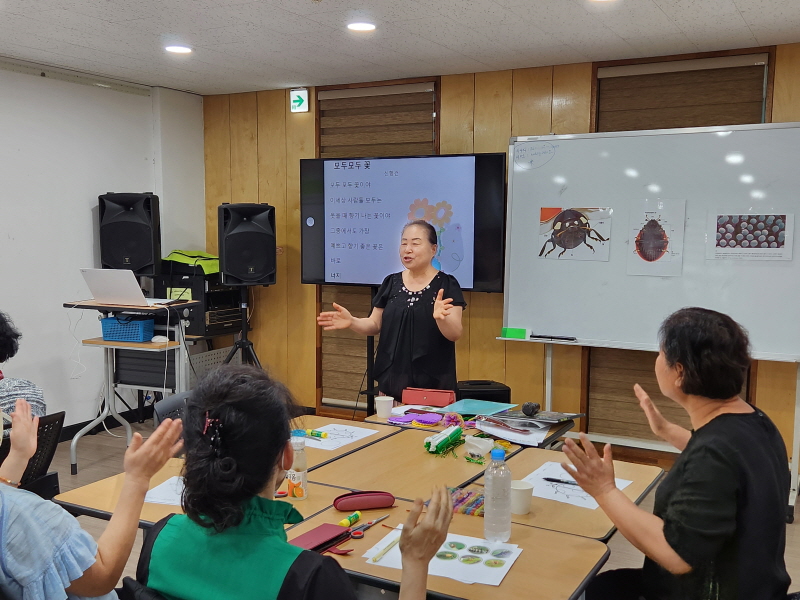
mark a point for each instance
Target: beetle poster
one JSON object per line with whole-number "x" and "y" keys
{"x": 574, "y": 233}
{"x": 655, "y": 238}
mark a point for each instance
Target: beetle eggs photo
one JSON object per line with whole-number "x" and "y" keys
{"x": 745, "y": 244}
{"x": 770, "y": 219}
{"x": 722, "y": 220}
{"x": 753, "y": 221}
{"x": 724, "y": 243}
{"x": 729, "y": 228}
{"x": 739, "y": 237}
{"x": 773, "y": 245}
{"x": 750, "y": 236}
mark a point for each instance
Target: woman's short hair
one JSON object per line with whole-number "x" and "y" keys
{"x": 9, "y": 338}
{"x": 429, "y": 229}
{"x": 712, "y": 348}
{"x": 236, "y": 425}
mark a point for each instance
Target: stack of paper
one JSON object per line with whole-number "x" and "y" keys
{"x": 168, "y": 492}
{"x": 535, "y": 436}
{"x": 463, "y": 558}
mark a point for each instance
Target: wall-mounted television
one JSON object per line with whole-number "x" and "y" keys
{"x": 353, "y": 211}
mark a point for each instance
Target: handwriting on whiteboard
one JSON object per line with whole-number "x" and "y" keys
{"x": 532, "y": 155}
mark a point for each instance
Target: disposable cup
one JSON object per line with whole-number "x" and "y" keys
{"x": 521, "y": 493}
{"x": 383, "y": 405}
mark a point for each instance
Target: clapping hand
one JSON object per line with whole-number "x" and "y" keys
{"x": 657, "y": 422}
{"x": 144, "y": 458}
{"x": 422, "y": 538}
{"x": 595, "y": 474}
{"x": 339, "y": 318}
{"x": 24, "y": 430}
{"x": 442, "y": 308}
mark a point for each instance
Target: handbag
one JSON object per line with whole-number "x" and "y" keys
{"x": 428, "y": 397}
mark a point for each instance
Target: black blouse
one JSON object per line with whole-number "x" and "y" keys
{"x": 412, "y": 352}
{"x": 724, "y": 506}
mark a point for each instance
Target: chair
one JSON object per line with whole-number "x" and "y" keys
{"x": 36, "y": 478}
{"x": 133, "y": 590}
{"x": 171, "y": 407}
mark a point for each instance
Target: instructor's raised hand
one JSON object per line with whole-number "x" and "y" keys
{"x": 339, "y": 318}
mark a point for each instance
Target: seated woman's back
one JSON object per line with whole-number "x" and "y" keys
{"x": 724, "y": 507}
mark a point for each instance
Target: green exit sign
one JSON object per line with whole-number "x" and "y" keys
{"x": 298, "y": 100}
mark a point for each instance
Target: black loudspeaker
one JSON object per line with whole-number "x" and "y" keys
{"x": 482, "y": 389}
{"x": 247, "y": 244}
{"x": 130, "y": 233}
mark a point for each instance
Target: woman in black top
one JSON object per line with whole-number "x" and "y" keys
{"x": 418, "y": 315}
{"x": 718, "y": 530}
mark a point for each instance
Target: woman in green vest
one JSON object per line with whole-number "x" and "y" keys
{"x": 231, "y": 543}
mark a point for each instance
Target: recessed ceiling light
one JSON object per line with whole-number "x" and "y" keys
{"x": 361, "y": 27}
{"x": 734, "y": 158}
{"x": 178, "y": 49}
{"x": 746, "y": 178}
{"x": 631, "y": 172}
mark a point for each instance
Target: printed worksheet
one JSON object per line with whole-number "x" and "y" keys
{"x": 168, "y": 492}
{"x": 338, "y": 436}
{"x": 565, "y": 490}
{"x": 463, "y": 558}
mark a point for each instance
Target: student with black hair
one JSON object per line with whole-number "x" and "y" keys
{"x": 718, "y": 530}
{"x": 231, "y": 542}
{"x": 417, "y": 313}
{"x": 12, "y": 388}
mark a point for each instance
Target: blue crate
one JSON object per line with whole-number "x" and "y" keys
{"x": 121, "y": 329}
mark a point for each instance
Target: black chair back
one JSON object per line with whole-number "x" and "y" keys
{"x": 171, "y": 407}
{"x": 133, "y": 590}
{"x": 50, "y": 427}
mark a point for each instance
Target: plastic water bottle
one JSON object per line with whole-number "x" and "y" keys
{"x": 298, "y": 474}
{"x": 497, "y": 499}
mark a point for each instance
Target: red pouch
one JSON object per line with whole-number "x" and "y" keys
{"x": 428, "y": 397}
{"x": 363, "y": 501}
{"x": 323, "y": 538}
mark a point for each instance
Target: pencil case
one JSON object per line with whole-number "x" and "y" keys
{"x": 427, "y": 397}
{"x": 363, "y": 501}
{"x": 323, "y": 538}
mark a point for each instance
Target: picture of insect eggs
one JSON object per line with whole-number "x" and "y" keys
{"x": 764, "y": 232}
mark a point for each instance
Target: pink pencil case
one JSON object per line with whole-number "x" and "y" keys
{"x": 363, "y": 501}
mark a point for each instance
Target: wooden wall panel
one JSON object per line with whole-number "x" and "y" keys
{"x": 492, "y": 130}
{"x": 776, "y": 383}
{"x": 572, "y": 98}
{"x": 303, "y": 340}
{"x": 572, "y": 93}
{"x": 532, "y": 103}
{"x": 531, "y": 106}
{"x": 244, "y": 147}
{"x": 217, "y": 153}
{"x": 775, "y": 395}
{"x": 786, "y": 97}
{"x": 270, "y": 322}
{"x": 457, "y": 120}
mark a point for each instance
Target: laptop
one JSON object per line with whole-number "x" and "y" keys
{"x": 118, "y": 287}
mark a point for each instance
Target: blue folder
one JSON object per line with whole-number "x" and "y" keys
{"x": 476, "y": 407}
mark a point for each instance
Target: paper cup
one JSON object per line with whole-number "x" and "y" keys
{"x": 383, "y": 406}
{"x": 521, "y": 493}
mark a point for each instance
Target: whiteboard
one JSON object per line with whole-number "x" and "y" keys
{"x": 740, "y": 170}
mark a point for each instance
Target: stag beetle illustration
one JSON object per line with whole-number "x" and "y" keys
{"x": 571, "y": 229}
{"x": 652, "y": 241}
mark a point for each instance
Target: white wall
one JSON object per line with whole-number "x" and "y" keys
{"x": 179, "y": 173}
{"x": 61, "y": 145}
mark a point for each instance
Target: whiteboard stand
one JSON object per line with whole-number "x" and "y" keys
{"x": 795, "y": 452}
{"x": 548, "y": 376}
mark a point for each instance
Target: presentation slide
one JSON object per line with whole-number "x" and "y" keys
{"x": 368, "y": 201}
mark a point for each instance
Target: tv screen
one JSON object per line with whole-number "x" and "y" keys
{"x": 353, "y": 211}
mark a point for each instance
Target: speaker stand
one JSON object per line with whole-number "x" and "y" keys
{"x": 246, "y": 346}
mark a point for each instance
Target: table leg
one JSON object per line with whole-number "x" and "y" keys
{"x": 548, "y": 376}
{"x": 111, "y": 401}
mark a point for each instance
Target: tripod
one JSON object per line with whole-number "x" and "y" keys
{"x": 246, "y": 346}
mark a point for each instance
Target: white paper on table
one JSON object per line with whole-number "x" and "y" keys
{"x": 168, "y": 492}
{"x": 338, "y": 436}
{"x": 534, "y": 438}
{"x": 563, "y": 492}
{"x": 457, "y": 546}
